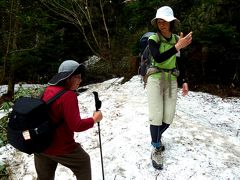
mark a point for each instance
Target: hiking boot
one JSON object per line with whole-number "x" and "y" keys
{"x": 157, "y": 160}
{"x": 162, "y": 148}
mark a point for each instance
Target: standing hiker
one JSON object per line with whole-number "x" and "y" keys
{"x": 64, "y": 150}
{"x": 162, "y": 84}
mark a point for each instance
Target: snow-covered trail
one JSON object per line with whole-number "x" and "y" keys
{"x": 202, "y": 143}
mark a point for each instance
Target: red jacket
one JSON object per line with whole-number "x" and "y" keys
{"x": 65, "y": 107}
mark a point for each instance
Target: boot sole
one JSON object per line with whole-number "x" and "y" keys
{"x": 157, "y": 166}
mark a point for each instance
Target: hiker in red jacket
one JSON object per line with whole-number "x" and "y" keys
{"x": 64, "y": 149}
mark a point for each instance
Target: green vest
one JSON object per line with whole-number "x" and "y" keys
{"x": 169, "y": 63}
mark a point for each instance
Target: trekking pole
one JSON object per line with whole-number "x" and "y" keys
{"x": 98, "y": 105}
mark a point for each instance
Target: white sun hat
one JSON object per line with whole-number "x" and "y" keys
{"x": 165, "y": 13}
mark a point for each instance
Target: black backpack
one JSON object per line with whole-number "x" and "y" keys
{"x": 29, "y": 128}
{"x": 145, "y": 54}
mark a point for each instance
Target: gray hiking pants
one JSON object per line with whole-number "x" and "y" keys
{"x": 161, "y": 104}
{"x": 78, "y": 161}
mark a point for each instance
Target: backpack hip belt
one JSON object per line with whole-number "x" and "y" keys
{"x": 154, "y": 70}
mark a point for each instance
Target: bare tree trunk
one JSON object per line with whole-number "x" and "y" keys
{"x": 14, "y": 29}
{"x": 11, "y": 84}
{"x": 11, "y": 49}
{"x": 105, "y": 25}
{"x": 81, "y": 14}
{"x": 5, "y": 59}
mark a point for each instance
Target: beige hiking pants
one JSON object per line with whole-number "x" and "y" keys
{"x": 162, "y": 106}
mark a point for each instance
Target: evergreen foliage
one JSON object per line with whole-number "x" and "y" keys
{"x": 36, "y": 37}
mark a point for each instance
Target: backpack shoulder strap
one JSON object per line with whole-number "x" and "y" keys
{"x": 157, "y": 37}
{"x": 60, "y": 93}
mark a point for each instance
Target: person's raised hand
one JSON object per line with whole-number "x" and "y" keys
{"x": 183, "y": 41}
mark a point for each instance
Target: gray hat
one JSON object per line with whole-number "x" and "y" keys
{"x": 65, "y": 70}
{"x": 165, "y": 13}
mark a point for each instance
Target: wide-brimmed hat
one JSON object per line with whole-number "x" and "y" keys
{"x": 165, "y": 13}
{"x": 65, "y": 70}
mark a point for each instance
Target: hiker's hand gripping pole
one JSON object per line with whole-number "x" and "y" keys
{"x": 98, "y": 105}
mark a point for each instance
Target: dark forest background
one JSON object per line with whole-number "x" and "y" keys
{"x": 36, "y": 36}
